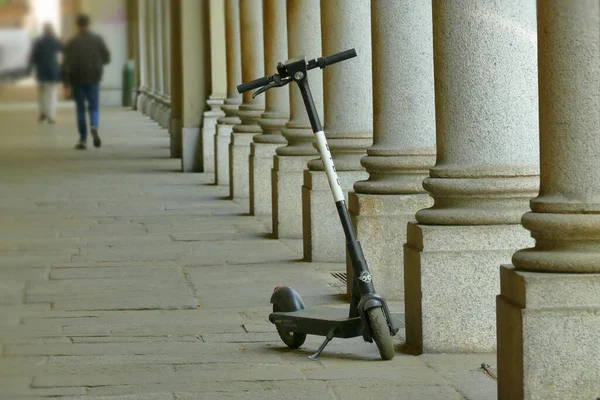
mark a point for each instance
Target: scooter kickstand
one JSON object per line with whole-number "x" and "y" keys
{"x": 325, "y": 343}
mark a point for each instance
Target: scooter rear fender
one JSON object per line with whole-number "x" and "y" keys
{"x": 287, "y": 299}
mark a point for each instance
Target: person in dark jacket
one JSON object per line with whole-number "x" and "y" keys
{"x": 44, "y": 58}
{"x": 85, "y": 57}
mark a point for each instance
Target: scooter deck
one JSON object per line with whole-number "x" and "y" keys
{"x": 319, "y": 322}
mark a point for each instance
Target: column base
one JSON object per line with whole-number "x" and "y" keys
{"x": 146, "y": 100}
{"x": 548, "y": 329}
{"x": 191, "y": 152}
{"x": 175, "y": 133}
{"x": 165, "y": 117}
{"x": 141, "y": 99}
{"x": 209, "y": 131}
{"x": 450, "y": 283}
{"x": 287, "y": 177}
{"x": 158, "y": 112}
{"x": 261, "y": 164}
{"x": 323, "y": 236}
{"x": 380, "y": 223}
{"x": 152, "y": 109}
{"x": 222, "y": 140}
{"x": 239, "y": 159}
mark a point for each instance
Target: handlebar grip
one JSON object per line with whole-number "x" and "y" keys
{"x": 255, "y": 84}
{"x": 335, "y": 58}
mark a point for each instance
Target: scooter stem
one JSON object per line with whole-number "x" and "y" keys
{"x": 359, "y": 264}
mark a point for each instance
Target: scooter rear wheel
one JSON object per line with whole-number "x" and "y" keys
{"x": 292, "y": 339}
{"x": 381, "y": 333}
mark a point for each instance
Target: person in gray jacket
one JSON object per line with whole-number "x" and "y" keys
{"x": 83, "y": 66}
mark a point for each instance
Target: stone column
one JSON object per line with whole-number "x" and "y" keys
{"x": 348, "y": 125}
{"x": 218, "y": 83}
{"x": 141, "y": 63}
{"x": 549, "y": 307}
{"x": 253, "y": 59}
{"x": 403, "y": 139}
{"x": 133, "y": 46}
{"x": 290, "y": 161}
{"x": 149, "y": 58}
{"x": 277, "y": 110}
{"x": 155, "y": 110}
{"x": 196, "y": 77}
{"x": 176, "y": 80}
{"x": 163, "y": 118}
{"x": 166, "y": 7}
{"x": 234, "y": 99}
{"x": 485, "y": 174}
{"x": 151, "y": 48}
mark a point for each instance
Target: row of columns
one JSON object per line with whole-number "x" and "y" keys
{"x": 153, "y": 62}
{"x": 174, "y": 48}
{"x": 435, "y": 131}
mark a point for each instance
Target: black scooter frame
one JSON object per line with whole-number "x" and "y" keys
{"x": 363, "y": 297}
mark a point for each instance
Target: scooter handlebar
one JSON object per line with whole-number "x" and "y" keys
{"x": 336, "y": 58}
{"x": 255, "y": 84}
{"x": 321, "y": 62}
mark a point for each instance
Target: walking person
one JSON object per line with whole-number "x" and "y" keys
{"x": 44, "y": 58}
{"x": 85, "y": 57}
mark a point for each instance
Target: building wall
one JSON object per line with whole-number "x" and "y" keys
{"x": 109, "y": 19}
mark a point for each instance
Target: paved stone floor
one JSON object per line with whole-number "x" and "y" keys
{"x": 121, "y": 278}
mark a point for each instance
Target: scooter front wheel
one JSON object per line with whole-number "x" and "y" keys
{"x": 292, "y": 339}
{"x": 381, "y": 333}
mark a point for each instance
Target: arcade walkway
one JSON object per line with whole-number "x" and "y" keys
{"x": 123, "y": 279}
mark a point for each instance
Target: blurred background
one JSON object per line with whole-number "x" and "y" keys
{"x": 21, "y": 21}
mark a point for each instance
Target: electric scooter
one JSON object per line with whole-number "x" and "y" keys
{"x": 369, "y": 315}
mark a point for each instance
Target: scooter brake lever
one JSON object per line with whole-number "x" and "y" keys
{"x": 262, "y": 90}
{"x": 277, "y": 82}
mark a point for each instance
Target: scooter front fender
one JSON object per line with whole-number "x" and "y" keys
{"x": 287, "y": 299}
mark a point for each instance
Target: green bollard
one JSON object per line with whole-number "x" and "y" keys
{"x": 128, "y": 69}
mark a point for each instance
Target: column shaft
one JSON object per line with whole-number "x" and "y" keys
{"x": 234, "y": 99}
{"x": 218, "y": 83}
{"x": 149, "y": 56}
{"x": 141, "y": 63}
{"x": 277, "y": 110}
{"x": 549, "y": 307}
{"x": 485, "y": 173}
{"x": 251, "y": 30}
{"x": 176, "y": 79}
{"x": 348, "y": 124}
{"x": 290, "y": 162}
{"x": 403, "y": 139}
{"x": 151, "y": 17}
{"x": 158, "y": 46}
{"x": 196, "y": 68}
{"x": 157, "y": 36}
{"x": 165, "y": 106}
{"x": 166, "y": 49}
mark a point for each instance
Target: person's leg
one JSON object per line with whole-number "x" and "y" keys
{"x": 79, "y": 96}
{"x": 51, "y": 104}
{"x": 41, "y": 92}
{"x": 94, "y": 108}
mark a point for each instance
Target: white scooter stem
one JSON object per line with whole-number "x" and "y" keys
{"x": 332, "y": 176}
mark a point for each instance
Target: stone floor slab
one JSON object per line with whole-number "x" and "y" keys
{"x": 126, "y": 280}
